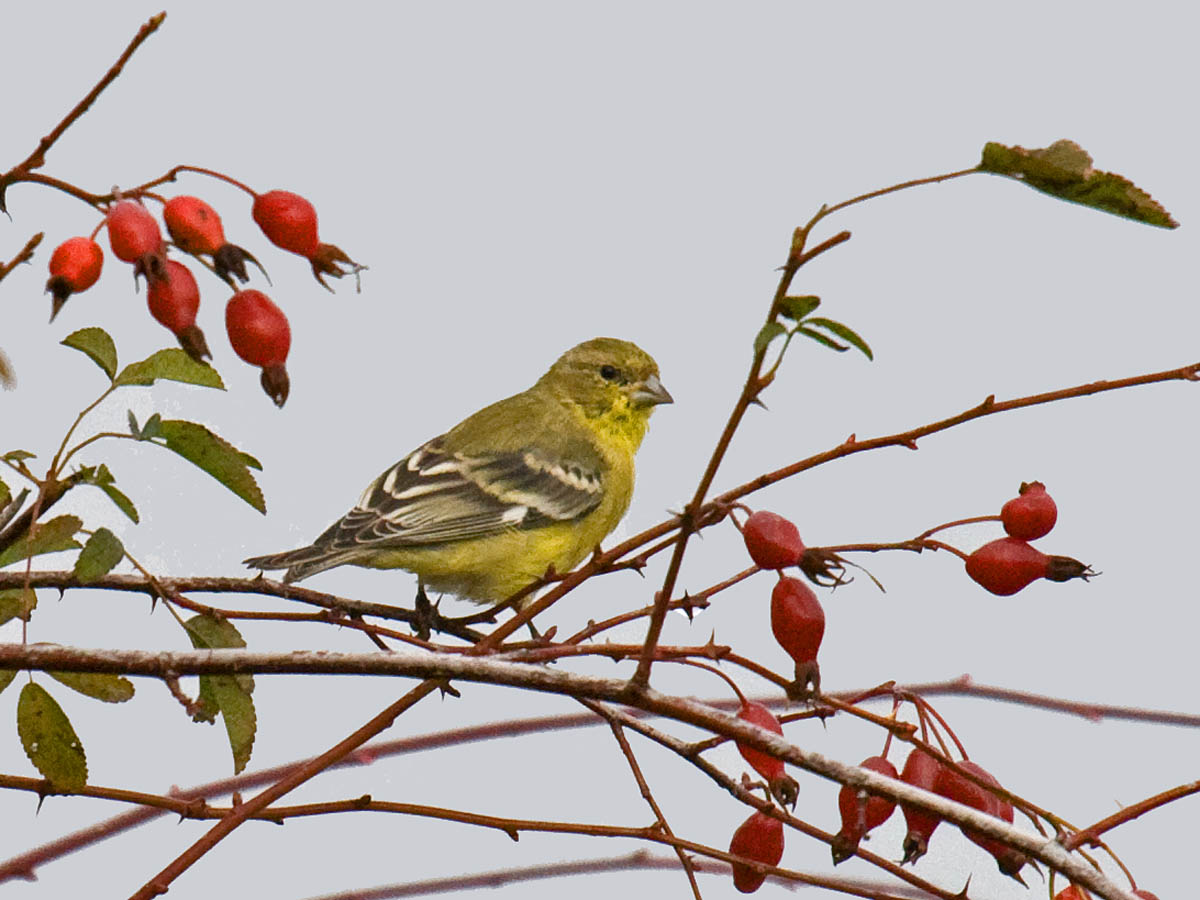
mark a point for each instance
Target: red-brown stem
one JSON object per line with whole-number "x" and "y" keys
{"x": 969, "y": 521}
{"x": 162, "y": 881}
{"x": 1092, "y": 833}
{"x": 692, "y": 514}
{"x": 618, "y": 732}
{"x": 23, "y": 255}
{"x": 38, "y": 157}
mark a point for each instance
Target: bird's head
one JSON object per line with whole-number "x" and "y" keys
{"x": 609, "y": 380}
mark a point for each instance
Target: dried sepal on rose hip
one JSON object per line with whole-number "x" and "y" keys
{"x": 1031, "y": 514}
{"x": 759, "y": 838}
{"x": 196, "y": 228}
{"x": 174, "y": 301}
{"x": 74, "y": 266}
{"x": 289, "y": 221}
{"x": 772, "y": 541}
{"x": 782, "y": 786}
{"x": 259, "y": 333}
{"x": 134, "y": 236}
{"x": 798, "y": 623}
{"x": 861, "y": 812}
{"x": 1007, "y": 565}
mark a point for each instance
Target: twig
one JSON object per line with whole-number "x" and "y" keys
{"x": 23, "y": 255}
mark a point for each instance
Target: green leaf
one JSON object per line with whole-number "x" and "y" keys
{"x": 230, "y": 694}
{"x": 102, "y": 478}
{"x": 6, "y": 677}
{"x": 845, "y": 332}
{"x": 96, "y": 343}
{"x": 17, "y": 603}
{"x": 798, "y": 307}
{"x": 766, "y": 334}
{"x": 18, "y": 455}
{"x": 172, "y": 364}
{"x": 821, "y": 339}
{"x": 49, "y": 740}
{"x": 123, "y": 503}
{"x": 5, "y": 495}
{"x": 99, "y": 685}
{"x": 215, "y": 456}
{"x": 1064, "y": 170}
{"x": 48, "y": 537}
{"x": 102, "y": 551}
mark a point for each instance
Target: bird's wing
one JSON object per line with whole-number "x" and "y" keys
{"x": 433, "y": 496}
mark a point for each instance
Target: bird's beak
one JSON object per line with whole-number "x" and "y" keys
{"x": 649, "y": 393}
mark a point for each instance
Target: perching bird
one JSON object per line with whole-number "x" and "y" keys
{"x": 534, "y": 481}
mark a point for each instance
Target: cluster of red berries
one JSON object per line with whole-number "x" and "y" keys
{"x": 924, "y": 771}
{"x": 797, "y": 619}
{"x": 1011, "y": 563}
{"x": 257, "y": 329}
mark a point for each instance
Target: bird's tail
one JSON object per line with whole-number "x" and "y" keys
{"x": 300, "y": 563}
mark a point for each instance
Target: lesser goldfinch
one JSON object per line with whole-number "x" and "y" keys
{"x": 533, "y": 481}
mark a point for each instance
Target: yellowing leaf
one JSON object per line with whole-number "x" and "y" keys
{"x": 1064, "y": 170}
{"x": 17, "y": 603}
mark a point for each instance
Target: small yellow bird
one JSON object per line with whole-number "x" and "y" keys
{"x": 533, "y": 481}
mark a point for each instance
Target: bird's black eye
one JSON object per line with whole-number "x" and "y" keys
{"x": 609, "y": 373}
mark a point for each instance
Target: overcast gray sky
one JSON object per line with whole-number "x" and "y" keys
{"x": 522, "y": 176}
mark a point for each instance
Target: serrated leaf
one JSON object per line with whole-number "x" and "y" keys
{"x": 766, "y": 334}
{"x": 17, "y": 603}
{"x": 798, "y": 307}
{"x": 49, "y": 537}
{"x": 845, "y": 332}
{"x": 214, "y": 455}
{"x": 18, "y": 455}
{"x": 96, "y": 343}
{"x": 102, "y": 551}
{"x": 228, "y": 693}
{"x": 1064, "y": 170}
{"x": 172, "y": 364}
{"x": 6, "y": 677}
{"x": 98, "y": 685}
{"x": 49, "y": 740}
{"x": 821, "y": 339}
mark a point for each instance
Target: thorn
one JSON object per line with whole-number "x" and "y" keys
{"x": 988, "y": 402}
{"x": 850, "y": 441}
{"x": 757, "y": 402}
{"x": 910, "y": 444}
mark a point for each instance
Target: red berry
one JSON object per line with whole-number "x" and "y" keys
{"x": 773, "y": 541}
{"x": 782, "y": 786}
{"x": 288, "y": 220}
{"x": 194, "y": 225}
{"x": 74, "y": 266}
{"x": 954, "y": 786}
{"x": 174, "y": 300}
{"x": 920, "y": 770}
{"x": 1145, "y": 895}
{"x": 132, "y": 231}
{"x": 259, "y": 333}
{"x": 1030, "y": 515}
{"x": 1073, "y": 893}
{"x": 859, "y": 816}
{"x": 759, "y": 838}
{"x": 798, "y": 622}
{"x": 1006, "y": 565}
